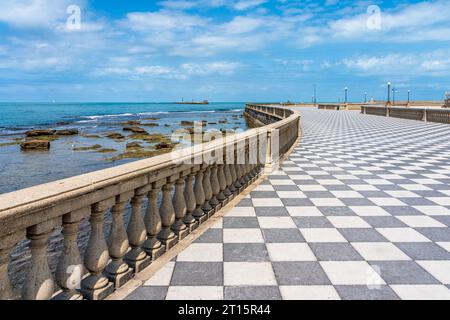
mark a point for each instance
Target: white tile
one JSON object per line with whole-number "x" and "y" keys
{"x": 415, "y": 187}
{"x": 442, "y": 201}
{"x": 267, "y": 202}
{"x": 282, "y": 182}
{"x": 322, "y": 235}
{"x": 327, "y": 202}
{"x": 290, "y": 252}
{"x": 376, "y": 182}
{"x": 264, "y": 187}
{"x": 241, "y": 212}
{"x": 202, "y": 252}
{"x": 242, "y": 236}
{"x": 420, "y": 222}
{"x": 291, "y": 194}
{"x": 387, "y": 202}
{"x": 379, "y": 251}
{"x": 445, "y": 245}
{"x": 301, "y": 177}
{"x": 422, "y": 292}
{"x": 348, "y": 222}
{"x": 363, "y": 187}
{"x": 304, "y": 211}
{"x": 351, "y": 273}
{"x": 309, "y": 293}
{"x": 426, "y": 181}
{"x": 369, "y": 211}
{"x": 312, "y": 187}
{"x": 402, "y": 194}
{"x": 162, "y": 277}
{"x": 438, "y": 269}
{"x": 276, "y": 223}
{"x": 346, "y": 194}
{"x": 433, "y": 210}
{"x": 218, "y": 224}
{"x": 330, "y": 182}
{"x": 249, "y": 274}
{"x": 195, "y": 293}
{"x": 402, "y": 235}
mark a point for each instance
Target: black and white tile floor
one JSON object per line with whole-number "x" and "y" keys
{"x": 360, "y": 210}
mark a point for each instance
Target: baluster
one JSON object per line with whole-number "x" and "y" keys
{"x": 167, "y": 212}
{"x": 208, "y": 192}
{"x": 70, "y": 269}
{"x": 232, "y": 180}
{"x": 136, "y": 257}
{"x": 118, "y": 271}
{"x": 39, "y": 283}
{"x": 7, "y": 243}
{"x": 152, "y": 220}
{"x": 189, "y": 197}
{"x": 198, "y": 213}
{"x": 179, "y": 205}
{"x": 227, "y": 192}
{"x": 215, "y": 188}
{"x": 222, "y": 184}
{"x": 96, "y": 286}
{"x": 237, "y": 184}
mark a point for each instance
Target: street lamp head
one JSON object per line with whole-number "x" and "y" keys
{"x": 389, "y": 83}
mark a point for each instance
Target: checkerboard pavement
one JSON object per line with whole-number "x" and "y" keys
{"x": 360, "y": 210}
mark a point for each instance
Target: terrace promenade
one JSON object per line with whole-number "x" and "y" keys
{"x": 359, "y": 210}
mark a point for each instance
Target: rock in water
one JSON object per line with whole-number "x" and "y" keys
{"x": 35, "y": 145}
{"x": 135, "y": 130}
{"x": 115, "y": 135}
{"x": 67, "y": 132}
{"x": 37, "y": 133}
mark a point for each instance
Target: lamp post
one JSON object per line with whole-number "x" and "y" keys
{"x": 409, "y": 95}
{"x": 389, "y": 93}
{"x": 315, "y": 96}
{"x": 346, "y": 95}
{"x": 365, "y": 97}
{"x": 393, "y": 95}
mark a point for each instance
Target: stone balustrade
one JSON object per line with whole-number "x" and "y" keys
{"x": 422, "y": 114}
{"x": 168, "y": 196}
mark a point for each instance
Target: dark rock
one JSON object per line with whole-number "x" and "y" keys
{"x": 67, "y": 132}
{"x": 37, "y": 133}
{"x": 35, "y": 145}
{"x": 115, "y": 136}
{"x": 131, "y": 123}
{"x": 187, "y": 123}
{"x": 134, "y": 145}
{"x": 164, "y": 145}
{"x": 135, "y": 130}
{"x": 94, "y": 147}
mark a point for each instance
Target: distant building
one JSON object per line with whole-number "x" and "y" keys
{"x": 447, "y": 99}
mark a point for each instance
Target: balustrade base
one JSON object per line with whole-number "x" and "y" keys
{"x": 202, "y": 219}
{"x": 181, "y": 234}
{"x": 120, "y": 279}
{"x": 192, "y": 226}
{"x": 170, "y": 243}
{"x": 155, "y": 253}
{"x": 140, "y": 265}
{"x": 98, "y": 294}
{"x": 68, "y": 295}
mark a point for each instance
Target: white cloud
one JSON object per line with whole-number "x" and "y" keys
{"x": 220, "y": 67}
{"x": 33, "y": 13}
{"x": 435, "y": 63}
{"x": 248, "y": 4}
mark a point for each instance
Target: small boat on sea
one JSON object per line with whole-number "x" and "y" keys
{"x": 193, "y": 102}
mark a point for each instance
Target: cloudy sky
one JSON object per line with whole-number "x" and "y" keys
{"x": 222, "y": 50}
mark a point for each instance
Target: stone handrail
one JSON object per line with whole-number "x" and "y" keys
{"x": 169, "y": 196}
{"x": 422, "y": 114}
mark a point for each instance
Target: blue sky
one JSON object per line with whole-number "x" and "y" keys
{"x": 223, "y": 50}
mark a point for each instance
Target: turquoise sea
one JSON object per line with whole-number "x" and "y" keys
{"x": 20, "y": 169}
